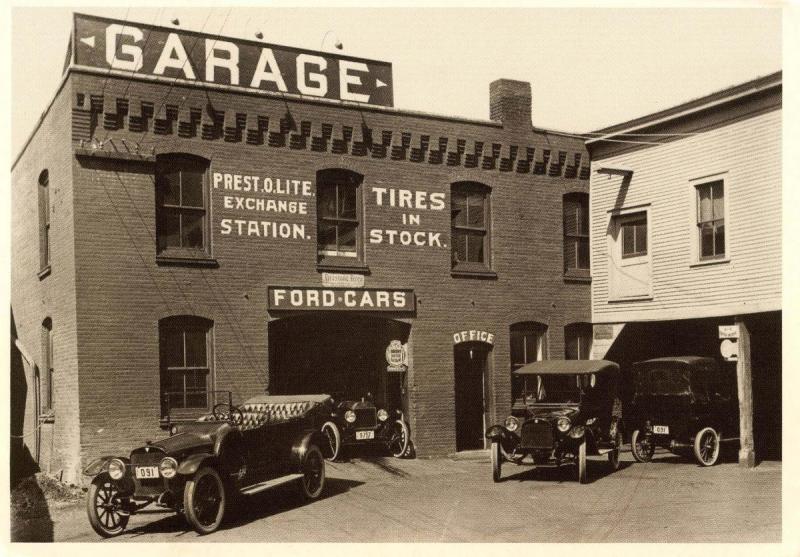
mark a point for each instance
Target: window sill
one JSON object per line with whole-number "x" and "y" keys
{"x": 473, "y": 273}
{"x": 43, "y": 273}
{"x": 705, "y": 262}
{"x": 578, "y": 275}
{"x": 630, "y": 299}
{"x": 332, "y": 266}
{"x": 187, "y": 260}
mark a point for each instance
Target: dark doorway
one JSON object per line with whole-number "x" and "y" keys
{"x": 470, "y": 379}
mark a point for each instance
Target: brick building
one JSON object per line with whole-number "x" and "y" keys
{"x": 174, "y": 235}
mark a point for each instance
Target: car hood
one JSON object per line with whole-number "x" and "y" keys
{"x": 192, "y": 436}
{"x": 551, "y": 412}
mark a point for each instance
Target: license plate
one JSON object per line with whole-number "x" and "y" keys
{"x": 661, "y": 429}
{"x": 146, "y": 472}
{"x": 361, "y": 435}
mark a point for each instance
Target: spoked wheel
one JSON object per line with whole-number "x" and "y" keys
{"x": 331, "y": 431}
{"x": 706, "y": 446}
{"x": 613, "y": 456}
{"x": 398, "y": 438}
{"x": 204, "y": 501}
{"x": 497, "y": 461}
{"x": 104, "y": 509}
{"x": 642, "y": 446}
{"x": 583, "y": 475}
{"x": 313, "y": 480}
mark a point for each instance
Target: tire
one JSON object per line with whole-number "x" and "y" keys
{"x": 583, "y": 475}
{"x": 613, "y": 456}
{"x": 204, "y": 501}
{"x": 642, "y": 446}
{"x": 497, "y": 461}
{"x": 400, "y": 437}
{"x": 331, "y": 431}
{"x": 706, "y": 446}
{"x": 103, "y": 514}
{"x": 312, "y": 484}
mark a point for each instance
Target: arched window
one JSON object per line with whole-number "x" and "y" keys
{"x": 181, "y": 204}
{"x": 44, "y": 220}
{"x": 470, "y": 226}
{"x": 578, "y": 341}
{"x": 339, "y": 217}
{"x": 576, "y": 232}
{"x": 46, "y": 371}
{"x": 185, "y": 347}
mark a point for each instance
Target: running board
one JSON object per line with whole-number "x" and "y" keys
{"x": 259, "y": 487}
{"x": 602, "y": 452}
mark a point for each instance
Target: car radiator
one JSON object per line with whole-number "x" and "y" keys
{"x": 537, "y": 435}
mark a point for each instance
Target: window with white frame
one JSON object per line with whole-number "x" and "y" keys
{"x": 711, "y": 219}
{"x": 633, "y": 232}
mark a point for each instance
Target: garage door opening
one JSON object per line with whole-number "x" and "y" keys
{"x": 340, "y": 355}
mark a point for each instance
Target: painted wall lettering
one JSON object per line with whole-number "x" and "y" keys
{"x": 413, "y": 200}
{"x": 289, "y": 298}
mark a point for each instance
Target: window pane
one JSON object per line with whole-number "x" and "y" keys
{"x": 583, "y": 217}
{"x": 719, "y": 240}
{"x": 570, "y": 217}
{"x": 475, "y": 210}
{"x": 570, "y": 253}
{"x": 192, "y": 189}
{"x": 168, "y": 229}
{"x": 706, "y": 240}
{"x": 583, "y": 253}
{"x": 347, "y": 237}
{"x": 705, "y": 209}
{"x": 517, "y": 349}
{"x": 169, "y": 188}
{"x": 196, "y": 395}
{"x": 475, "y": 248}
{"x": 347, "y": 202}
{"x": 459, "y": 209}
{"x": 459, "y": 246}
{"x": 628, "y": 246}
{"x": 173, "y": 388}
{"x": 327, "y": 202}
{"x": 571, "y": 348}
{"x": 719, "y": 201}
{"x": 641, "y": 237}
{"x": 172, "y": 347}
{"x": 326, "y": 236}
{"x": 196, "y": 348}
{"x": 192, "y": 229}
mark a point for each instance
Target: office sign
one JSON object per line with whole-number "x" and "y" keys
{"x": 171, "y": 54}
{"x": 301, "y": 298}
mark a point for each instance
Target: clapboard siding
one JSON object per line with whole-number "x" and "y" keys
{"x": 748, "y": 151}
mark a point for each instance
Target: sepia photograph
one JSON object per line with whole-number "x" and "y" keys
{"x": 401, "y": 274}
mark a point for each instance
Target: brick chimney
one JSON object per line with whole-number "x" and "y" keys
{"x": 510, "y": 102}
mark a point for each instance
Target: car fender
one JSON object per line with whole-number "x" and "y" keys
{"x": 100, "y": 465}
{"x": 499, "y": 433}
{"x": 301, "y": 446}
{"x": 192, "y": 463}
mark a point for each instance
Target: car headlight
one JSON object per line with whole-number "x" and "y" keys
{"x": 512, "y": 423}
{"x": 577, "y": 432}
{"x": 168, "y": 467}
{"x": 349, "y": 416}
{"x": 563, "y": 424}
{"x": 383, "y": 415}
{"x": 116, "y": 469}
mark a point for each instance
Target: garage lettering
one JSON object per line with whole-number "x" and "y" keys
{"x": 362, "y": 299}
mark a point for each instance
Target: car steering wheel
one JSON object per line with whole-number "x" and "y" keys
{"x": 228, "y": 412}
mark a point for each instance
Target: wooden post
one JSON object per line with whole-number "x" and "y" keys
{"x": 744, "y": 376}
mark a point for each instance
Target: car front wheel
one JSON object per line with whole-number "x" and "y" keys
{"x": 642, "y": 446}
{"x": 331, "y": 432}
{"x": 204, "y": 501}
{"x": 398, "y": 438}
{"x": 103, "y": 508}
{"x": 583, "y": 475}
{"x": 313, "y": 481}
{"x": 613, "y": 456}
{"x": 497, "y": 461}
{"x": 706, "y": 446}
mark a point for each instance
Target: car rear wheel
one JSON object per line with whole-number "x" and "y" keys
{"x": 497, "y": 461}
{"x": 313, "y": 481}
{"x": 706, "y": 446}
{"x": 331, "y": 432}
{"x": 642, "y": 446}
{"x": 613, "y": 456}
{"x": 398, "y": 438}
{"x": 583, "y": 475}
{"x": 204, "y": 501}
{"x": 103, "y": 508}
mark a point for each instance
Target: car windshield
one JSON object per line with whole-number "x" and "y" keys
{"x": 663, "y": 381}
{"x": 554, "y": 388}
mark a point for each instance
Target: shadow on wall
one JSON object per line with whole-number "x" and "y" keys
{"x": 30, "y": 514}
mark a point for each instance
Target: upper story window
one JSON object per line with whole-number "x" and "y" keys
{"x": 470, "y": 226}
{"x": 633, "y": 230}
{"x": 578, "y": 341}
{"x": 576, "y": 231}
{"x": 185, "y": 347}
{"x": 44, "y": 220}
{"x": 46, "y": 371}
{"x": 339, "y": 217}
{"x": 711, "y": 219}
{"x": 182, "y": 204}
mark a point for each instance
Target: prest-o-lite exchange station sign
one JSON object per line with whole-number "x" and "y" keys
{"x": 300, "y": 298}
{"x": 175, "y": 54}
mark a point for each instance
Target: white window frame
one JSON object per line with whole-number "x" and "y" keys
{"x": 694, "y": 234}
{"x": 627, "y": 214}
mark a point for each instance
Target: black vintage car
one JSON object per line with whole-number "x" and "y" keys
{"x": 363, "y": 422}
{"x": 563, "y": 411}
{"x": 203, "y": 465}
{"x": 685, "y": 404}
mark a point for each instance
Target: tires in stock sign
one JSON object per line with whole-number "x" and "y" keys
{"x": 175, "y": 54}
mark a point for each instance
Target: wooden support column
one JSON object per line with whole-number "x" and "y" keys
{"x": 744, "y": 380}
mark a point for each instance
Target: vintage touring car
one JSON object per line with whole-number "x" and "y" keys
{"x": 204, "y": 465}
{"x": 562, "y": 412}
{"x": 684, "y": 404}
{"x": 362, "y": 422}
